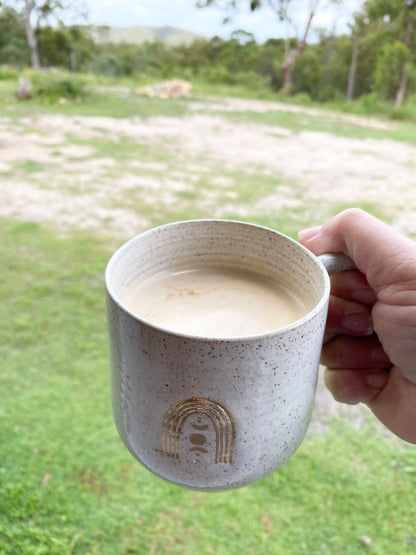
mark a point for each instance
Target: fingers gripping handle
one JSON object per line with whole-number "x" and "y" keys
{"x": 335, "y": 262}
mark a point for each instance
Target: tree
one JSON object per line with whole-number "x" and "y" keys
{"x": 286, "y": 12}
{"x": 13, "y": 46}
{"x": 329, "y": 40}
{"x": 409, "y": 27}
{"x": 23, "y": 11}
{"x": 400, "y": 18}
{"x": 389, "y": 70}
{"x": 356, "y": 33}
{"x": 292, "y": 54}
{"x": 30, "y": 14}
{"x": 65, "y": 47}
{"x": 307, "y": 74}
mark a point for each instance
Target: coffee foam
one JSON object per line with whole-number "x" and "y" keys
{"x": 216, "y": 301}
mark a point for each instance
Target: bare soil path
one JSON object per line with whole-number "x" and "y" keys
{"x": 52, "y": 169}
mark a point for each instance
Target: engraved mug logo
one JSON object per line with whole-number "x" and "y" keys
{"x": 202, "y": 419}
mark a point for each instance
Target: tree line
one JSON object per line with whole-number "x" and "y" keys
{"x": 376, "y": 57}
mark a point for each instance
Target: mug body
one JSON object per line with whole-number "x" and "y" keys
{"x": 211, "y": 413}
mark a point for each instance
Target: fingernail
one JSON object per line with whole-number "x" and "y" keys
{"x": 308, "y": 233}
{"x": 377, "y": 379}
{"x": 360, "y": 324}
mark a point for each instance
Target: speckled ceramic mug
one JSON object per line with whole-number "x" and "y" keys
{"x": 215, "y": 414}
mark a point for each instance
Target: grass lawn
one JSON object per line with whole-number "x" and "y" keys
{"x": 398, "y": 131}
{"x": 67, "y": 485}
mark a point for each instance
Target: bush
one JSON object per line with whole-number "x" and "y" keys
{"x": 301, "y": 98}
{"x": 53, "y": 86}
{"x": 370, "y": 104}
{"x": 405, "y": 113}
{"x": 220, "y": 75}
{"x": 252, "y": 80}
{"x": 8, "y": 73}
{"x": 106, "y": 64}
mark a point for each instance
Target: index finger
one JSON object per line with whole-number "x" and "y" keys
{"x": 381, "y": 253}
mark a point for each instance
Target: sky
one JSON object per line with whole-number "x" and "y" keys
{"x": 208, "y": 22}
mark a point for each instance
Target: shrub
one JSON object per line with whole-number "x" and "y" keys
{"x": 217, "y": 75}
{"x": 220, "y": 75}
{"x": 252, "y": 80}
{"x": 301, "y": 98}
{"x": 8, "y": 73}
{"x": 370, "y": 104}
{"x": 405, "y": 113}
{"x": 106, "y": 64}
{"x": 53, "y": 86}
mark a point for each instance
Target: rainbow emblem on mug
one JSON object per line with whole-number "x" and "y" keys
{"x": 200, "y": 427}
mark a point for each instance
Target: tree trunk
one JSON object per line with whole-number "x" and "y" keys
{"x": 401, "y": 89}
{"x": 23, "y": 18}
{"x": 286, "y": 79}
{"x": 293, "y": 55}
{"x": 32, "y": 43}
{"x": 73, "y": 60}
{"x": 327, "y": 58}
{"x": 330, "y": 43}
{"x": 353, "y": 70}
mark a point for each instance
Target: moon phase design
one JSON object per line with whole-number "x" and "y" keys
{"x": 204, "y": 416}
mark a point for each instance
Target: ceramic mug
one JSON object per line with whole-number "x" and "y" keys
{"x": 214, "y": 414}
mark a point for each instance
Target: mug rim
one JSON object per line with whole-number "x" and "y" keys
{"x": 224, "y": 339}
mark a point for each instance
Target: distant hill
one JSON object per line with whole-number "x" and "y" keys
{"x": 140, "y": 34}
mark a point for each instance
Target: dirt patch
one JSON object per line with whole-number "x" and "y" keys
{"x": 313, "y": 168}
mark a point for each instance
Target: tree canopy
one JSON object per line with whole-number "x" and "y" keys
{"x": 31, "y": 14}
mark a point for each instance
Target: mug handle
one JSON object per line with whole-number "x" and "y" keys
{"x": 335, "y": 262}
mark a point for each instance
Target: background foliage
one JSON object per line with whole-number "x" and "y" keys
{"x": 382, "y": 34}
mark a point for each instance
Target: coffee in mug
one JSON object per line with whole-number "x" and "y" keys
{"x": 215, "y": 301}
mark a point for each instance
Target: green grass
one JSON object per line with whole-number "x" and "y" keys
{"x": 67, "y": 485}
{"x": 133, "y": 105}
{"x": 99, "y": 102}
{"x": 30, "y": 166}
{"x": 298, "y": 122}
{"x": 124, "y": 102}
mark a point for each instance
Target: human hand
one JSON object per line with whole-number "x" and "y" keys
{"x": 372, "y": 312}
